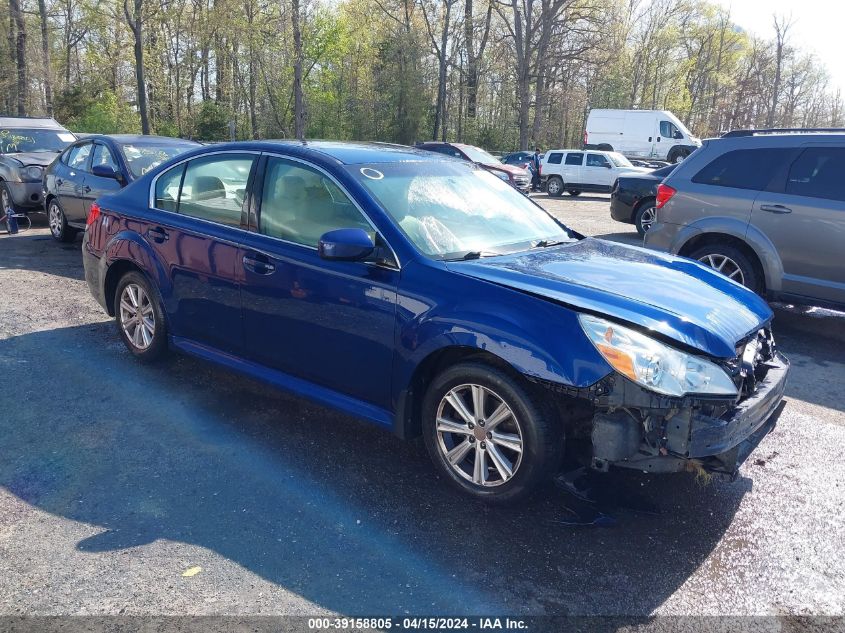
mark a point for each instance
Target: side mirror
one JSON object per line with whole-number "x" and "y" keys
{"x": 104, "y": 171}
{"x": 678, "y": 136}
{"x": 349, "y": 245}
{"x": 608, "y": 165}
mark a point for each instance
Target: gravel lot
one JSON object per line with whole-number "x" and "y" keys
{"x": 116, "y": 478}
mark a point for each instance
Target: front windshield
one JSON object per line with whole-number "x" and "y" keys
{"x": 619, "y": 160}
{"x": 17, "y": 140}
{"x": 478, "y": 155}
{"x": 449, "y": 210}
{"x": 143, "y": 157}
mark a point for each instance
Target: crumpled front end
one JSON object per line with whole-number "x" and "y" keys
{"x": 635, "y": 428}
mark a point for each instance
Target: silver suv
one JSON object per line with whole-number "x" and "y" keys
{"x": 766, "y": 208}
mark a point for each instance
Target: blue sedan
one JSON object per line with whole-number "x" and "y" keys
{"x": 429, "y": 297}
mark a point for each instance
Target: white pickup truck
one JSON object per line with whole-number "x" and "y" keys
{"x": 575, "y": 170}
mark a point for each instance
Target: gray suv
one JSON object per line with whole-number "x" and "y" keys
{"x": 27, "y": 146}
{"x": 766, "y": 208}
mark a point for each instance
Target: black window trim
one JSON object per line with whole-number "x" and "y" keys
{"x": 783, "y": 173}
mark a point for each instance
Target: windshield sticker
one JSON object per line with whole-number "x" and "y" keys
{"x": 372, "y": 174}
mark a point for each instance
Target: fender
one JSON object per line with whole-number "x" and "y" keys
{"x": 130, "y": 246}
{"x": 744, "y": 231}
{"x": 518, "y": 335}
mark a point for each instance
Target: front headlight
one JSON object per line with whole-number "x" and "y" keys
{"x": 653, "y": 365}
{"x": 33, "y": 172}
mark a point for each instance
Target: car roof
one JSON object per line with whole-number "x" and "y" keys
{"x": 46, "y": 123}
{"x": 345, "y": 152}
{"x": 139, "y": 139}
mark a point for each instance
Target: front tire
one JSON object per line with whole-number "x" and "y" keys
{"x": 555, "y": 186}
{"x": 488, "y": 434}
{"x": 59, "y": 228}
{"x": 731, "y": 262}
{"x": 140, "y": 319}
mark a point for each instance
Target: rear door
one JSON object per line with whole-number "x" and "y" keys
{"x": 598, "y": 171}
{"x": 805, "y": 220}
{"x": 197, "y": 237}
{"x": 571, "y": 168}
{"x": 70, "y": 185}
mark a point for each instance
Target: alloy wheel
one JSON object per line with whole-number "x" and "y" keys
{"x": 137, "y": 317}
{"x": 479, "y": 435}
{"x": 55, "y": 220}
{"x": 647, "y": 218}
{"x": 554, "y": 187}
{"x": 725, "y": 265}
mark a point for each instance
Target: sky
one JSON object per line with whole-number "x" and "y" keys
{"x": 818, "y": 27}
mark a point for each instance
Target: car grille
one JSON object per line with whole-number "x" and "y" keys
{"x": 521, "y": 181}
{"x": 750, "y": 365}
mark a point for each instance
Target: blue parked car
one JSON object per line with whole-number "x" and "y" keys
{"x": 428, "y": 296}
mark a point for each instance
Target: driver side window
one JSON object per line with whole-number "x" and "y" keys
{"x": 299, "y": 204}
{"x": 667, "y": 129}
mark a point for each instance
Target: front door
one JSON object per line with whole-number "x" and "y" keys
{"x": 328, "y": 322}
{"x": 805, "y": 220}
{"x": 197, "y": 237}
{"x": 71, "y": 183}
{"x": 598, "y": 171}
{"x": 571, "y": 168}
{"x": 97, "y": 186}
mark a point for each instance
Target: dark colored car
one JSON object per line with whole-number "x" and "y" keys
{"x": 518, "y": 177}
{"x": 634, "y": 196}
{"x": 427, "y": 296}
{"x": 27, "y": 146}
{"x": 764, "y": 207}
{"x": 94, "y": 166}
{"x": 518, "y": 159}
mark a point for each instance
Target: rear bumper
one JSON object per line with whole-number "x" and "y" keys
{"x": 666, "y": 237}
{"x": 27, "y": 196}
{"x": 94, "y": 272}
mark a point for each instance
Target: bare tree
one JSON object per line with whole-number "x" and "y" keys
{"x": 298, "y": 101}
{"x": 135, "y": 22}
{"x": 16, "y": 15}
{"x": 782, "y": 26}
{"x": 45, "y": 57}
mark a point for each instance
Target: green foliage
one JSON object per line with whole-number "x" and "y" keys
{"x": 100, "y": 113}
{"x": 212, "y": 122}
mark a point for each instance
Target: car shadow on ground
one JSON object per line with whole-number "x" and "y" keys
{"x": 334, "y": 510}
{"x": 37, "y": 250}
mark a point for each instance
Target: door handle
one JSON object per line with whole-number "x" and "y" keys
{"x": 775, "y": 208}
{"x": 259, "y": 264}
{"x": 658, "y": 139}
{"x": 649, "y": 139}
{"x": 158, "y": 235}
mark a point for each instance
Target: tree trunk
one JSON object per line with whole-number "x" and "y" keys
{"x": 440, "y": 110}
{"x": 20, "y": 55}
{"x": 135, "y": 23}
{"x": 298, "y": 104}
{"x": 45, "y": 54}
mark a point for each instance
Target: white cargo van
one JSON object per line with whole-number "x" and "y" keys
{"x": 655, "y": 134}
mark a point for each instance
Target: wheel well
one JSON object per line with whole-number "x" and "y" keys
{"x": 117, "y": 270}
{"x": 637, "y": 206}
{"x": 409, "y": 414}
{"x": 722, "y": 238}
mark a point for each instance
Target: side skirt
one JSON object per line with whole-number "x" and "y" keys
{"x": 296, "y": 386}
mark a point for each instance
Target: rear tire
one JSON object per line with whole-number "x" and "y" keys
{"x": 645, "y": 216}
{"x": 140, "y": 318}
{"x": 494, "y": 454}
{"x": 555, "y": 186}
{"x": 57, "y": 221}
{"x": 730, "y": 261}
{"x": 573, "y": 192}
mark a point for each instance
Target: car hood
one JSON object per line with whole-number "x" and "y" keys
{"x": 676, "y": 297}
{"x": 34, "y": 158}
{"x": 511, "y": 169}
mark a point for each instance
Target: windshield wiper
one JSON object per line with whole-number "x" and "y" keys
{"x": 472, "y": 255}
{"x": 547, "y": 243}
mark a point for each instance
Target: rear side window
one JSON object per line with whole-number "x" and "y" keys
{"x": 554, "y": 158}
{"x": 819, "y": 172}
{"x": 743, "y": 168}
{"x": 214, "y": 188}
{"x": 167, "y": 188}
{"x": 575, "y": 158}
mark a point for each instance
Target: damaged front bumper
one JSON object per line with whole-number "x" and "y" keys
{"x": 636, "y": 429}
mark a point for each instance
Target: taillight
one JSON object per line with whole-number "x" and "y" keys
{"x": 93, "y": 214}
{"x": 664, "y": 194}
